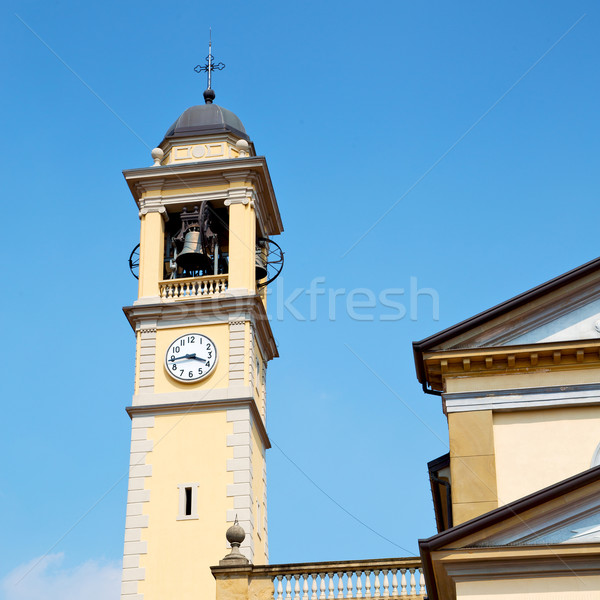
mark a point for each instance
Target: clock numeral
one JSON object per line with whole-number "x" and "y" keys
{"x": 200, "y": 370}
{"x": 181, "y": 372}
{"x": 207, "y": 365}
{"x": 210, "y": 355}
{"x": 172, "y": 357}
{"x": 182, "y": 342}
{"x": 190, "y": 374}
{"x": 191, "y": 339}
{"x": 177, "y": 349}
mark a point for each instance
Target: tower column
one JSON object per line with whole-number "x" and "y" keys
{"x": 152, "y": 236}
{"x": 242, "y": 244}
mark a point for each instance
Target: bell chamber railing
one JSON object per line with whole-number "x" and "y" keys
{"x": 192, "y": 287}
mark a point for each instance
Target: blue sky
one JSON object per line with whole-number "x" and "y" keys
{"x": 461, "y": 138}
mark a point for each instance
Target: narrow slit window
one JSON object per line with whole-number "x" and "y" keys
{"x": 188, "y": 501}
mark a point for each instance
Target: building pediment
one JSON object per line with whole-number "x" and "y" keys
{"x": 554, "y": 531}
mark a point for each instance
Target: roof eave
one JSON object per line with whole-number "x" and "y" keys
{"x": 500, "y": 309}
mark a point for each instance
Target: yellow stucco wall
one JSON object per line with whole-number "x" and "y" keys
{"x": 188, "y": 447}
{"x": 577, "y": 587}
{"x": 219, "y": 378}
{"x": 537, "y": 448}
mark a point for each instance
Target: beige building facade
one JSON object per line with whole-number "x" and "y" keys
{"x": 520, "y": 386}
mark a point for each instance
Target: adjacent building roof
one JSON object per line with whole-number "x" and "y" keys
{"x": 444, "y": 337}
{"x": 463, "y": 535}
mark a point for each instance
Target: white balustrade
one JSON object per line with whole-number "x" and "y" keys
{"x": 192, "y": 287}
{"x": 385, "y": 579}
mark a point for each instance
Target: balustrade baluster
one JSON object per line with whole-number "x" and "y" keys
{"x": 288, "y": 588}
{"x": 413, "y": 583}
{"x": 279, "y": 587}
{"x": 367, "y": 584}
{"x": 305, "y": 587}
{"x": 349, "y": 585}
{"x": 296, "y": 587}
{"x": 340, "y": 585}
{"x": 313, "y": 587}
{"x": 330, "y": 595}
{"x": 359, "y": 584}
{"x": 386, "y": 584}
{"x": 394, "y": 582}
{"x": 322, "y": 586}
{"x": 403, "y": 582}
{"x": 377, "y": 584}
{"x": 422, "y": 590}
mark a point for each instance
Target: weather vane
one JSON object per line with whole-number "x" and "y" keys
{"x": 208, "y": 68}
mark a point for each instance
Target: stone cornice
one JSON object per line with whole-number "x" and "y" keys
{"x": 476, "y": 564}
{"x": 221, "y": 308}
{"x": 579, "y": 354}
{"x": 336, "y": 566}
{"x": 255, "y": 168}
{"x": 201, "y": 405}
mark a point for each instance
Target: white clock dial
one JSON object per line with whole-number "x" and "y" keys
{"x": 191, "y": 357}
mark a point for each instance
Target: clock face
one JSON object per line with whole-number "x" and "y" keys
{"x": 191, "y": 357}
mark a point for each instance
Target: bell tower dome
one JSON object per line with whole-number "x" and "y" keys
{"x": 207, "y": 213}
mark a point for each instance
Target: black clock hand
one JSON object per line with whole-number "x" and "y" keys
{"x": 185, "y": 356}
{"x": 197, "y": 357}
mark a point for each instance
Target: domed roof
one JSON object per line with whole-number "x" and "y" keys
{"x": 204, "y": 119}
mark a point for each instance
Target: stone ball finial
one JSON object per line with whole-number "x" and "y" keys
{"x": 243, "y": 147}
{"x": 157, "y": 155}
{"x": 209, "y": 96}
{"x": 235, "y": 536}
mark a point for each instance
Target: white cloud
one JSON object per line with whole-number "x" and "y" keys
{"x": 47, "y": 579}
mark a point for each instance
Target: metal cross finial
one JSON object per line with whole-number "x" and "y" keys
{"x": 209, "y": 67}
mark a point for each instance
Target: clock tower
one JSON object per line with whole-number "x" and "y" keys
{"x": 203, "y": 341}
